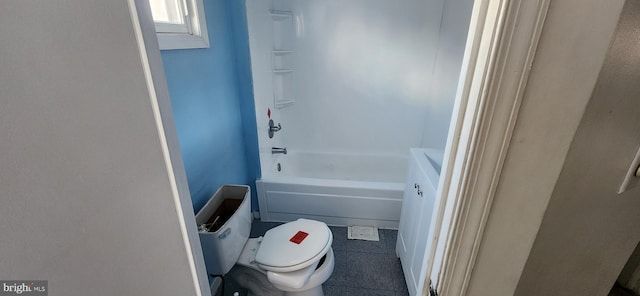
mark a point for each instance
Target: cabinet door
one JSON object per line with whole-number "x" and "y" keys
{"x": 414, "y": 227}
{"x": 414, "y": 238}
{"x": 424, "y": 237}
{"x": 408, "y": 215}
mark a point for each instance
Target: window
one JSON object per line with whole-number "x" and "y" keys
{"x": 180, "y": 24}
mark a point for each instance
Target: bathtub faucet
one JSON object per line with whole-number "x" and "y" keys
{"x": 276, "y": 150}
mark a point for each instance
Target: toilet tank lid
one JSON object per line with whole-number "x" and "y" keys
{"x": 294, "y": 244}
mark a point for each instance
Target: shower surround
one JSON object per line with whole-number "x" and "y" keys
{"x": 351, "y": 85}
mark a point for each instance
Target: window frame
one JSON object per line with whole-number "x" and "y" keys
{"x": 196, "y": 22}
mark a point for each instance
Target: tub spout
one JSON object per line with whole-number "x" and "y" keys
{"x": 276, "y": 150}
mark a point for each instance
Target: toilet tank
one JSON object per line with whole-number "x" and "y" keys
{"x": 224, "y": 224}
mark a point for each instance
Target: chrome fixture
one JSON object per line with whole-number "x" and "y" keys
{"x": 273, "y": 128}
{"x": 276, "y": 150}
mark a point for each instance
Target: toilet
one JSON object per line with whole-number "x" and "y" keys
{"x": 295, "y": 258}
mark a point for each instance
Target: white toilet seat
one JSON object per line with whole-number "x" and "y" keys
{"x": 258, "y": 284}
{"x": 294, "y": 246}
{"x": 290, "y": 266}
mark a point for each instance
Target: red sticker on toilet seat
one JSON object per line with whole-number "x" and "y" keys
{"x": 298, "y": 237}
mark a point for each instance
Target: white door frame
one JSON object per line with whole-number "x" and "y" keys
{"x": 501, "y": 44}
{"x": 146, "y": 38}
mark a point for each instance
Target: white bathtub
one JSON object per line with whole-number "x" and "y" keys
{"x": 338, "y": 189}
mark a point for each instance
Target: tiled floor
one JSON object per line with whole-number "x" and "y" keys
{"x": 365, "y": 267}
{"x": 362, "y": 268}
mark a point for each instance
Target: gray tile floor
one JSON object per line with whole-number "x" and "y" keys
{"x": 363, "y": 268}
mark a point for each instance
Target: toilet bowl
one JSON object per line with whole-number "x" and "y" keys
{"x": 296, "y": 257}
{"x": 313, "y": 287}
{"x": 257, "y": 283}
{"x": 293, "y": 259}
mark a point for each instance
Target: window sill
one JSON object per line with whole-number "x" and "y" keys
{"x": 168, "y": 41}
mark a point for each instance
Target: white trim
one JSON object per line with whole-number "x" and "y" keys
{"x": 198, "y": 38}
{"x": 502, "y": 41}
{"x": 164, "y": 145}
{"x": 171, "y": 28}
{"x": 169, "y": 41}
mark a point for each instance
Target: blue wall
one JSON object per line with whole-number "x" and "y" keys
{"x": 238, "y": 15}
{"x": 212, "y": 100}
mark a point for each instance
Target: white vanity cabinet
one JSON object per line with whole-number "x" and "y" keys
{"x": 415, "y": 233}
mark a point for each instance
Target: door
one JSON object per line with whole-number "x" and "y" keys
{"x": 92, "y": 189}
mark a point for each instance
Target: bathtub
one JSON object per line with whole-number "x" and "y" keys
{"x": 336, "y": 188}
